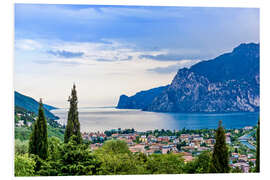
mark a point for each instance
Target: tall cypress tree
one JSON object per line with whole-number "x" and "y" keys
{"x": 73, "y": 124}
{"x": 220, "y": 156}
{"x": 38, "y": 142}
{"x": 257, "y": 169}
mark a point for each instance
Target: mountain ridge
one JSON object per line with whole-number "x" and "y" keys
{"x": 32, "y": 105}
{"x": 227, "y": 83}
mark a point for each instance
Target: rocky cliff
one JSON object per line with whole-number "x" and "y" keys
{"x": 228, "y": 83}
{"x": 140, "y": 100}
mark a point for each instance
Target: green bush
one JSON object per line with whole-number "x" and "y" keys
{"x": 24, "y": 165}
{"x": 21, "y": 147}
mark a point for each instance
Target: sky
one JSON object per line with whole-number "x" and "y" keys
{"x": 112, "y": 50}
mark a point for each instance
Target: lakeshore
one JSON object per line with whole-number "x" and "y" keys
{"x": 186, "y": 142}
{"x": 106, "y": 118}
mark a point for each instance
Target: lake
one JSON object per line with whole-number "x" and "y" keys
{"x": 106, "y": 118}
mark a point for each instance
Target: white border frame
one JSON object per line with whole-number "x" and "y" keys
{"x": 7, "y": 96}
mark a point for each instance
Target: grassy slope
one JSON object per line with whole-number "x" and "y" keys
{"x": 23, "y": 133}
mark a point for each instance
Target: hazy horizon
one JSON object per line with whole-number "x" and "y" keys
{"x": 112, "y": 50}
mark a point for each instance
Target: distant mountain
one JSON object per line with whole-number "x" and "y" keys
{"x": 141, "y": 99}
{"x": 228, "y": 83}
{"x": 32, "y": 105}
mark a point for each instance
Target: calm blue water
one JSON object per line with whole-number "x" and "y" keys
{"x": 101, "y": 119}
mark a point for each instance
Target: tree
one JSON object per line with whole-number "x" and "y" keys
{"x": 73, "y": 124}
{"x": 77, "y": 159}
{"x": 24, "y": 165}
{"x": 202, "y": 162}
{"x": 165, "y": 164}
{"x": 236, "y": 170}
{"x": 115, "y": 158}
{"x": 220, "y": 158}
{"x": 21, "y": 147}
{"x": 114, "y": 147}
{"x": 257, "y": 169}
{"x": 52, "y": 166}
{"x": 38, "y": 143}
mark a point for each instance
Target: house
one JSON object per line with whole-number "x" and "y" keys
{"x": 248, "y": 128}
{"x": 176, "y": 141}
{"x": 243, "y": 158}
{"x": 196, "y": 142}
{"x": 165, "y": 149}
{"x": 29, "y": 124}
{"x": 187, "y": 156}
{"x": 95, "y": 146}
{"x": 243, "y": 166}
{"x": 228, "y": 140}
{"x": 150, "y": 151}
{"x": 235, "y": 155}
{"x": 203, "y": 149}
{"x": 210, "y": 142}
{"x": 155, "y": 147}
{"x": 137, "y": 148}
{"x": 252, "y": 160}
{"x": 20, "y": 123}
{"x": 143, "y": 139}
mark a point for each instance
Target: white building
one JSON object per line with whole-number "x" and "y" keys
{"x": 20, "y": 123}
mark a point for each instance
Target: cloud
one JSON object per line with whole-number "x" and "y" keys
{"x": 164, "y": 70}
{"x": 27, "y": 44}
{"x": 61, "y": 61}
{"x": 127, "y": 59}
{"x": 113, "y": 59}
{"x": 104, "y": 60}
{"x": 173, "y": 68}
{"x": 168, "y": 57}
{"x": 65, "y": 54}
{"x": 58, "y": 51}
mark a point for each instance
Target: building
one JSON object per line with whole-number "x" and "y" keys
{"x": 20, "y": 123}
{"x": 165, "y": 149}
{"x": 243, "y": 166}
{"x": 187, "y": 156}
{"x": 29, "y": 124}
{"x": 243, "y": 158}
{"x": 137, "y": 148}
{"x": 248, "y": 128}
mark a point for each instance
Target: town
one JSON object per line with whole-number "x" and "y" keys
{"x": 188, "y": 143}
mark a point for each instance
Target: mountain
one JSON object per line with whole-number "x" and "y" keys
{"x": 227, "y": 83}
{"x": 141, "y": 99}
{"x": 32, "y": 105}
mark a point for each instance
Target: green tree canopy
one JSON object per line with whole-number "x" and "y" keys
{"x": 21, "y": 147}
{"x": 38, "y": 143}
{"x": 24, "y": 165}
{"x": 115, "y": 158}
{"x": 115, "y": 147}
{"x": 77, "y": 159}
{"x": 220, "y": 157}
{"x": 165, "y": 164}
{"x": 257, "y": 168}
{"x": 200, "y": 164}
{"x": 73, "y": 124}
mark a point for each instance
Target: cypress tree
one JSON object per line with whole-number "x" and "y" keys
{"x": 38, "y": 142}
{"x": 73, "y": 124}
{"x": 220, "y": 156}
{"x": 257, "y": 169}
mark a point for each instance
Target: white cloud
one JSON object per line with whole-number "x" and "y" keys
{"x": 27, "y": 44}
{"x": 106, "y": 51}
